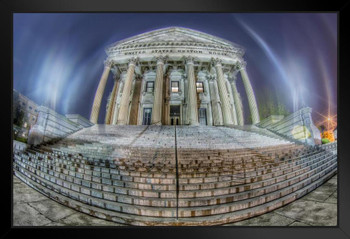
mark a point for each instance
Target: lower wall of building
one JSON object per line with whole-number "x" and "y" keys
{"x": 51, "y": 125}
{"x": 19, "y": 146}
{"x": 298, "y": 126}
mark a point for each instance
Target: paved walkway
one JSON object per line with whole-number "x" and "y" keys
{"x": 318, "y": 208}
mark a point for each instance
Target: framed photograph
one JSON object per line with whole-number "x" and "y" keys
{"x": 204, "y": 120}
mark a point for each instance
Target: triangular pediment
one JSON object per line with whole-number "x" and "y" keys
{"x": 175, "y": 35}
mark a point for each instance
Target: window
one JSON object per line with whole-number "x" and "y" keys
{"x": 149, "y": 86}
{"x": 200, "y": 87}
{"x": 174, "y": 86}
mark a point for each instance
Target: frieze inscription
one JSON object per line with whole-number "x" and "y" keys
{"x": 155, "y": 51}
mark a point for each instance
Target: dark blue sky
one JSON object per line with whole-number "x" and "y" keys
{"x": 58, "y": 58}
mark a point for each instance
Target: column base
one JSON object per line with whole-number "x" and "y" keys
{"x": 230, "y": 125}
{"x": 121, "y": 123}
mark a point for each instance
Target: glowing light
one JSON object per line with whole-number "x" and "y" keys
{"x": 295, "y": 70}
{"x": 296, "y": 89}
{"x": 266, "y": 48}
{"x": 329, "y": 120}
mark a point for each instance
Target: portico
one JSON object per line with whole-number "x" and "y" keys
{"x": 175, "y": 76}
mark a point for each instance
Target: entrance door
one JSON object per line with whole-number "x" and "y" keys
{"x": 175, "y": 114}
{"x": 202, "y": 116}
{"x": 147, "y": 115}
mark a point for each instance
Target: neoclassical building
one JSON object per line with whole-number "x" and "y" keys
{"x": 174, "y": 76}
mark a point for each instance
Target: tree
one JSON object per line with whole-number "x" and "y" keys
{"x": 18, "y": 114}
{"x": 281, "y": 108}
{"x": 322, "y": 128}
{"x": 271, "y": 104}
{"x": 325, "y": 141}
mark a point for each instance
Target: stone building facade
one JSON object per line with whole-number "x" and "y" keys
{"x": 52, "y": 125}
{"x": 174, "y": 76}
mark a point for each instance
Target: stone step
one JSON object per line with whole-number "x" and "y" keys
{"x": 185, "y": 181}
{"x": 224, "y": 218}
{"x": 129, "y": 219}
{"x": 206, "y": 198}
{"x": 202, "y": 193}
{"x": 74, "y": 170}
{"x": 182, "y": 160}
{"x": 238, "y": 185}
{"x": 190, "y": 212}
{"x": 243, "y": 170}
{"x": 97, "y": 198}
{"x": 128, "y": 174}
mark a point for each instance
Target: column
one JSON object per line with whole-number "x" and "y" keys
{"x": 185, "y": 92}
{"x": 135, "y": 102}
{"x": 99, "y": 93}
{"x": 124, "y": 103}
{"x": 251, "y": 97}
{"x": 166, "y": 92}
{"x": 192, "y": 111}
{"x": 215, "y": 102}
{"x": 117, "y": 96}
{"x": 111, "y": 104}
{"x": 209, "y": 113}
{"x": 238, "y": 103}
{"x": 142, "y": 92}
{"x": 234, "y": 113}
{"x": 225, "y": 101}
{"x": 158, "y": 93}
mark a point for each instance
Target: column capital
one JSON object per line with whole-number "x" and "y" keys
{"x": 241, "y": 65}
{"x": 138, "y": 77}
{"x": 172, "y": 68}
{"x": 211, "y": 77}
{"x": 108, "y": 63}
{"x": 133, "y": 61}
{"x": 161, "y": 59}
{"x": 216, "y": 61}
{"x": 146, "y": 70}
{"x": 116, "y": 77}
{"x": 188, "y": 59}
{"x": 205, "y": 78}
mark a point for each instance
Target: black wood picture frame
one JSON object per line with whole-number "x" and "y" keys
{"x": 342, "y": 8}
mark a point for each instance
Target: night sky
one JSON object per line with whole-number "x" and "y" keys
{"x": 58, "y": 58}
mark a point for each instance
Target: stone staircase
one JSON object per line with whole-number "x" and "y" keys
{"x": 166, "y": 175}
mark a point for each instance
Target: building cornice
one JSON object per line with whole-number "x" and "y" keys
{"x": 175, "y": 42}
